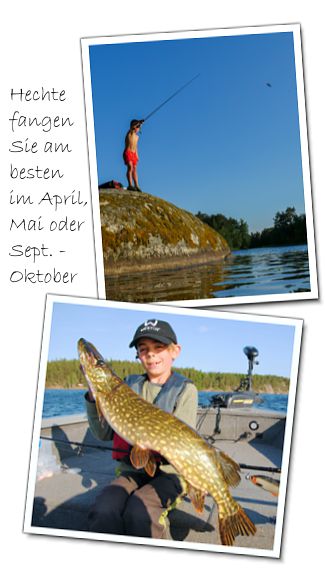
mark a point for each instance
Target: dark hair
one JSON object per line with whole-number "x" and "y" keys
{"x": 134, "y": 123}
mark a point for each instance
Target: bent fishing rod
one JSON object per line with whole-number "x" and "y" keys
{"x": 168, "y": 99}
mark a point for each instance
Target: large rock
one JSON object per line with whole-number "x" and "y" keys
{"x": 143, "y": 232}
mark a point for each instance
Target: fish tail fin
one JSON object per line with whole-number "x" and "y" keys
{"x": 237, "y": 524}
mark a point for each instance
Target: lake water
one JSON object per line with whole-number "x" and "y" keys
{"x": 58, "y": 402}
{"x": 253, "y": 272}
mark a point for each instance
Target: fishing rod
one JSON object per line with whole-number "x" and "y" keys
{"x": 102, "y": 448}
{"x": 169, "y": 98}
{"x": 260, "y": 468}
{"x": 79, "y": 444}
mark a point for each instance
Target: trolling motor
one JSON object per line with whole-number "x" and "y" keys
{"x": 243, "y": 395}
{"x": 246, "y": 383}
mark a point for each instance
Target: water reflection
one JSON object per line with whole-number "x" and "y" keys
{"x": 244, "y": 273}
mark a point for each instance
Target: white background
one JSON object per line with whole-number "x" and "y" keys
{"x": 40, "y": 47}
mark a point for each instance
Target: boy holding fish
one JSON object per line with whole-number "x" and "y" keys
{"x": 136, "y": 501}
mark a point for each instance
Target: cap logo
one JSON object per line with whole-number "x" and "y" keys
{"x": 152, "y": 323}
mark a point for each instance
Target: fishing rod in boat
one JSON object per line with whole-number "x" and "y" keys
{"x": 108, "y": 448}
{"x": 168, "y": 99}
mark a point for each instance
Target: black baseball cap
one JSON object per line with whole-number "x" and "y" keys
{"x": 156, "y": 330}
{"x": 136, "y": 123}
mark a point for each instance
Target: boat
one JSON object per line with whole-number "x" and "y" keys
{"x": 73, "y": 467}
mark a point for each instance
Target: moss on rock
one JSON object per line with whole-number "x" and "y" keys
{"x": 141, "y": 231}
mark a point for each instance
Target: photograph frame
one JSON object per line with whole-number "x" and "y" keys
{"x": 87, "y": 43}
{"x": 189, "y": 316}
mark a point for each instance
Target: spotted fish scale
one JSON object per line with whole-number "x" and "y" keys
{"x": 150, "y": 429}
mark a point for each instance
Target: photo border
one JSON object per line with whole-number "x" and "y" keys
{"x": 160, "y": 36}
{"x": 297, "y": 324}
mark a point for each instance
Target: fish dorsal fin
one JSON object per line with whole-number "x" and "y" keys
{"x": 229, "y": 467}
{"x": 197, "y": 498}
{"x": 139, "y": 456}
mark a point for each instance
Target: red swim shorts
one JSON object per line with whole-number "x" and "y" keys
{"x": 130, "y": 156}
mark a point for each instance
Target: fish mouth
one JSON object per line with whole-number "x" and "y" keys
{"x": 88, "y": 349}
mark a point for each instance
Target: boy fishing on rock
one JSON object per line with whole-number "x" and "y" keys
{"x": 136, "y": 503}
{"x": 130, "y": 154}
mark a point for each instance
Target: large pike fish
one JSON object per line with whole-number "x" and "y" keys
{"x": 149, "y": 429}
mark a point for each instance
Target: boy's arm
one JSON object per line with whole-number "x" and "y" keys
{"x": 127, "y": 140}
{"x": 187, "y": 405}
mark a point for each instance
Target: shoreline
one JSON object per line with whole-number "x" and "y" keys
{"x": 164, "y": 263}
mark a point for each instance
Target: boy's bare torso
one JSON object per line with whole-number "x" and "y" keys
{"x": 131, "y": 141}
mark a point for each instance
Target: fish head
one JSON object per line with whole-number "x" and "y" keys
{"x": 93, "y": 366}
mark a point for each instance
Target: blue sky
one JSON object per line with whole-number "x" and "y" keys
{"x": 227, "y": 144}
{"x": 208, "y": 343}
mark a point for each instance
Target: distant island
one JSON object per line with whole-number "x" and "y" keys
{"x": 288, "y": 228}
{"x": 66, "y": 374}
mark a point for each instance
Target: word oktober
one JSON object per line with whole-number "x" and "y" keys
{"x": 34, "y": 277}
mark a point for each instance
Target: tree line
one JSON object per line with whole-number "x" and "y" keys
{"x": 67, "y": 374}
{"x": 288, "y": 228}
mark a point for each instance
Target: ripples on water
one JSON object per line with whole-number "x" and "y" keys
{"x": 245, "y": 273}
{"x": 59, "y": 402}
